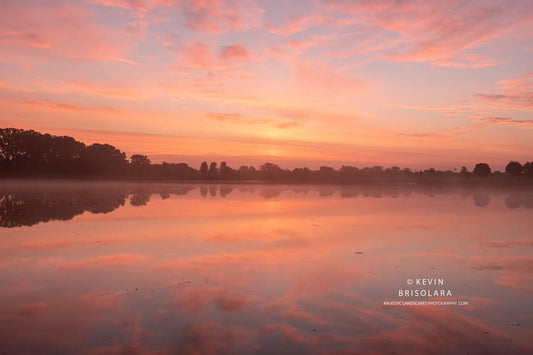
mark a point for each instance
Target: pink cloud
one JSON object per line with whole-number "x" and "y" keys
{"x": 517, "y": 93}
{"x": 523, "y": 81}
{"x": 198, "y": 55}
{"x": 30, "y": 29}
{"x": 317, "y": 78}
{"x": 218, "y": 16}
{"x": 470, "y": 60}
{"x": 140, "y": 9}
{"x": 297, "y": 24}
{"x": 436, "y": 31}
{"x": 233, "y": 51}
{"x": 201, "y": 55}
{"x": 128, "y": 4}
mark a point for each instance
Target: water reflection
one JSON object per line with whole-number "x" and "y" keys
{"x": 240, "y": 269}
{"x": 26, "y": 204}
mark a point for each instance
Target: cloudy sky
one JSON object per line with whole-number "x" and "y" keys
{"x": 410, "y": 83}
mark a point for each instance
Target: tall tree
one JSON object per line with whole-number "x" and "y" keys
{"x": 203, "y": 169}
{"x": 514, "y": 168}
{"x": 482, "y": 169}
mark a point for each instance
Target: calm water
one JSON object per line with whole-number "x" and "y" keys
{"x": 105, "y": 268}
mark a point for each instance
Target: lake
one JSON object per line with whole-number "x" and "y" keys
{"x": 106, "y": 268}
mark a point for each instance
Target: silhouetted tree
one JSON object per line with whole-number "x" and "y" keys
{"x": 349, "y": 173}
{"x": 514, "y": 168}
{"x": 244, "y": 172}
{"x": 104, "y": 158}
{"x": 213, "y": 170}
{"x": 140, "y": 160}
{"x": 326, "y": 173}
{"x": 203, "y": 169}
{"x": 528, "y": 169}
{"x": 271, "y": 171}
{"x": 180, "y": 171}
{"x": 140, "y": 164}
{"x": 482, "y": 169}
{"x": 225, "y": 171}
{"x": 26, "y": 152}
{"x": 11, "y": 145}
{"x": 302, "y": 174}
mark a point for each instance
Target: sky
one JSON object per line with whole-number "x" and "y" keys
{"x": 406, "y": 83}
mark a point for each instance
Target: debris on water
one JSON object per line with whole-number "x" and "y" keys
{"x": 183, "y": 283}
{"x": 314, "y": 329}
{"x": 359, "y": 252}
{"x": 486, "y": 332}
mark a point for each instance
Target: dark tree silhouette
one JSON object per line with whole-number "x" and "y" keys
{"x": 104, "y": 158}
{"x": 203, "y": 169}
{"x": 11, "y": 145}
{"x": 180, "y": 171}
{"x": 225, "y": 171}
{"x": 140, "y": 164}
{"x": 528, "y": 169}
{"x": 213, "y": 170}
{"x": 327, "y": 173}
{"x": 140, "y": 160}
{"x": 27, "y": 150}
{"x": 302, "y": 174}
{"x": 514, "y": 168}
{"x": 27, "y": 153}
{"x": 482, "y": 169}
{"x": 271, "y": 171}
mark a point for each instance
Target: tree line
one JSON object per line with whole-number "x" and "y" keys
{"x": 27, "y": 153}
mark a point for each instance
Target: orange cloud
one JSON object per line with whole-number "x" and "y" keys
{"x": 54, "y": 105}
{"x": 507, "y": 120}
{"x": 240, "y": 119}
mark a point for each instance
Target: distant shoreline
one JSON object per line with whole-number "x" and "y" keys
{"x": 472, "y": 182}
{"x": 27, "y": 154}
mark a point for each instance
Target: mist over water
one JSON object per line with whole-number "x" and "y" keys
{"x": 104, "y": 268}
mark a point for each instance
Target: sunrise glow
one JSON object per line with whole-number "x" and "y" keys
{"x": 302, "y": 83}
